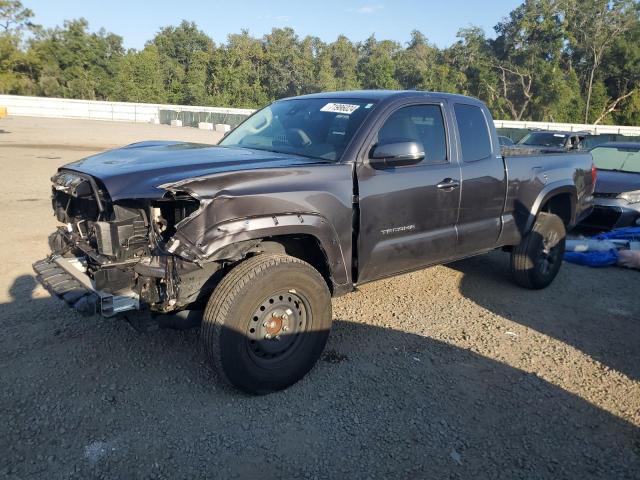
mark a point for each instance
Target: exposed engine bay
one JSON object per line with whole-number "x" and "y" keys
{"x": 121, "y": 247}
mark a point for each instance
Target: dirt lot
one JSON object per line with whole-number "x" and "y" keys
{"x": 451, "y": 372}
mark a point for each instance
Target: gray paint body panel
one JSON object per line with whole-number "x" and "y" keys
{"x": 313, "y": 200}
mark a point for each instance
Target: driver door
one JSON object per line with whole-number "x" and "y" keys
{"x": 408, "y": 214}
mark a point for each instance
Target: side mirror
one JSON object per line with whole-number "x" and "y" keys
{"x": 396, "y": 154}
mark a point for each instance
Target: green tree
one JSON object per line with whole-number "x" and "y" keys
{"x": 237, "y": 72}
{"x": 564, "y": 102}
{"x": 16, "y": 67}
{"x": 557, "y": 60}
{"x": 620, "y": 80}
{"x": 196, "y": 88}
{"x": 417, "y": 64}
{"x": 528, "y": 54}
{"x": 289, "y": 64}
{"x": 593, "y": 27}
{"x": 337, "y": 66}
{"x": 181, "y": 49}
{"x": 75, "y": 63}
{"x": 472, "y": 57}
{"x": 423, "y": 66}
{"x": 14, "y": 17}
{"x": 306, "y": 64}
{"x": 376, "y": 68}
{"x": 139, "y": 78}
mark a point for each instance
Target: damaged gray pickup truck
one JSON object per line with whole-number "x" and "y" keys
{"x": 305, "y": 200}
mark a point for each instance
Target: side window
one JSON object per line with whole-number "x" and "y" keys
{"x": 418, "y": 123}
{"x": 474, "y": 132}
{"x": 574, "y": 142}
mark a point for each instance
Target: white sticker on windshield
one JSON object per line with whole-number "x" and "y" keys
{"x": 559, "y": 135}
{"x": 340, "y": 108}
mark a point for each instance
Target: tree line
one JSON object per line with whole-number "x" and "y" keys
{"x": 550, "y": 60}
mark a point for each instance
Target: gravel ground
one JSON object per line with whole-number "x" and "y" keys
{"x": 451, "y": 372}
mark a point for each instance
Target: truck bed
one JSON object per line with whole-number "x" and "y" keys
{"x": 530, "y": 172}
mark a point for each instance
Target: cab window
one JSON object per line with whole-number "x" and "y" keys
{"x": 423, "y": 124}
{"x": 474, "y": 132}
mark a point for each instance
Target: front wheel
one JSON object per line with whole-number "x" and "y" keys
{"x": 267, "y": 322}
{"x": 537, "y": 260}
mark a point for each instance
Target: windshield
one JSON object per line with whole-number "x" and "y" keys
{"x": 505, "y": 141}
{"x": 544, "y": 139}
{"x": 317, "y": 128}
{"x": 623, "y": 159}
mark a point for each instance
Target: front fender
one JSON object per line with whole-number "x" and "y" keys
{"x": 212, "y": 246}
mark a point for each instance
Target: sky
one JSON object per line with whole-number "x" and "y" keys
{"x": 138, "y": 21}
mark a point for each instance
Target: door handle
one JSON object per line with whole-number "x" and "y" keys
{"x": 448, "y": 184}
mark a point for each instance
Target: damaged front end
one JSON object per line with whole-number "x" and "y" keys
{"x": 113, "y": 257}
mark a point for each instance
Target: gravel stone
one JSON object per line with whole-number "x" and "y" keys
{"x": 437, "y": 389}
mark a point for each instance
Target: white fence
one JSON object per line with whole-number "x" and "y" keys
{"x": 95, "y": 110}
{"x": 150, "y": 113}
{"x": 570, "y": 127}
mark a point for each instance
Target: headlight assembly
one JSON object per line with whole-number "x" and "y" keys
{"x": 630, "y": 197}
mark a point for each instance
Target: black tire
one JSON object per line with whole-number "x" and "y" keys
{"x": 537, "y": 260}
{"x": 267, "y": 322}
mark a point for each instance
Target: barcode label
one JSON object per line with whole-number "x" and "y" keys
{"x": 344, "y": 108}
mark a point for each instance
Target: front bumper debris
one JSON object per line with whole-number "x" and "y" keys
{"x": 64, "y": 278}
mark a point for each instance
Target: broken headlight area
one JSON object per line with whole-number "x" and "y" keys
{"x": 171, "y": 210}
{"x": 77, "y": 199}
{"x": 117, "y": 232}
{"x": 121, "y": 248}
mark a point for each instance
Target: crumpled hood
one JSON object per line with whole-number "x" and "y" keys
{"x": 135, "y": 171}
{"x": 617, "y": 182}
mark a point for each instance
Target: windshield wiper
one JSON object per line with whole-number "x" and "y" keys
{"x": 261, "y": 149}
{"x": 250, "y": 147}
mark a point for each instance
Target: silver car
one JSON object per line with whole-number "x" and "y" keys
{"x": 617, "y": 192}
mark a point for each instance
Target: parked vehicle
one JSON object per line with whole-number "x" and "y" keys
{"x": 554, "y": 141}
{"x": 307, "y": 199}
{"x": 505, "y": 141}
{"x": 593, "y": 141}
{"x": 617, "y": 193}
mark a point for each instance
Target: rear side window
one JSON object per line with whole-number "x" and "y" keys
{"x": 474, "y": 132}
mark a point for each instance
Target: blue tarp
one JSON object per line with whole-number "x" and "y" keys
{"x": 593, "y": 259}
{"x": 607, "y": 258}
{"x": 627, "y": 233}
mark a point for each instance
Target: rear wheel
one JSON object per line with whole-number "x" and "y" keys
{"x": 267, "y": 322}
{"x": 537, "y": 260}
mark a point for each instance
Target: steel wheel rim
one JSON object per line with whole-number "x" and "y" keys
{"x": 277, "y": 326}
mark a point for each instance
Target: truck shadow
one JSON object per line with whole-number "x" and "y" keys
{"x": 580, "y": 308}
{"x": 380, "y": 403}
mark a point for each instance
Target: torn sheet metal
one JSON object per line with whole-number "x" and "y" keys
{"x": 258, "y": 204}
